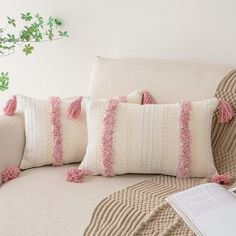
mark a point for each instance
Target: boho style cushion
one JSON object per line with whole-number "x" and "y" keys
{"x": 52, "y": 135}
{"x": 171, "y": 139}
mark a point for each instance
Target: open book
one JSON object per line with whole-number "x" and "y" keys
{"x": 208, "y": 209}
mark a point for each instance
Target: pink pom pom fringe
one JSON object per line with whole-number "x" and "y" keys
{"x": 75, "y": 175}
{"x": 10, "y": 173}
{"x": 226, "y": 112}
{"x": 222, "y": 179}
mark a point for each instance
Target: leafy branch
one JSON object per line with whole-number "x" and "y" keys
{"x": 35, "y": 29}
{"x": 4, "y": 81}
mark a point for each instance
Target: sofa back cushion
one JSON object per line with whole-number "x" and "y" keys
{"x": 167, "y": 81}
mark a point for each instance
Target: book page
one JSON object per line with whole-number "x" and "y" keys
{"x": 204, "y": 206}
{"x": 204, "y": 198}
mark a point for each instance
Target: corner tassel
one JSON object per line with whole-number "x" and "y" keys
{"x": 226, "y": 112}
{"x": 222, "y": 179}
{"x": 147, "y": 98}
{"x": 10, "y": 173}
{"x": 10, "y": 106}
{"x": 74, "y": 110}
{"x": 75, "y": 175}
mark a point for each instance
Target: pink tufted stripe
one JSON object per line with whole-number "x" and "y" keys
{"x": 56, "y": 131}
{"x": 184, "y": 165}
{"x": 107, "y": 136}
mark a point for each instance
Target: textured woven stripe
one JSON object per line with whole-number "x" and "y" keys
{"x": 56, "y": 131}
{"x": 141, "y": 210}
{"x": 184, "y": 165}
{"x": 107, "y": 136}
{"x": 224, "y": 135}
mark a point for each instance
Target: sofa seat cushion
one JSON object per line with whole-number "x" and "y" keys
{"x": 40, "y": 202}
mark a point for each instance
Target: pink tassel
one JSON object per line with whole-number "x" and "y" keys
{"x": 10, "y": 173}
{"x": 222, "y": 179}
{"x": 74, "y": 110}
{"x": 75, "y": 175}
{"x": 226, "y": 112}
{"x": 147, "y": 98}
{"x": 10, "y": 106}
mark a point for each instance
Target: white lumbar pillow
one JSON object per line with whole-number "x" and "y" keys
{"x": 51, "y": 136}
{"x": 172, "y": 139}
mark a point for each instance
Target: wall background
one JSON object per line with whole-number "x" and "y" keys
{"x": 195, "y": 30}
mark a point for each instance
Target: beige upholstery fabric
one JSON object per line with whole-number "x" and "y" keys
{"x": 41, "y": 203}
{"x": 167, "y": 81}
{"x": 11, "y": 141}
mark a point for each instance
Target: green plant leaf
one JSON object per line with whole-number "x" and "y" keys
{"x": 26, "y": 17}
{"x": 11, "y": 38}
{"x": 58, "y": 22}
{"x": 4, "y": 81}
{"x": 28, "y": 49}
{"x": 63, "y": 34}
{"x": 11, "y": 21}
{"x": 39, "y": 20}
{"x": 50, "y": 22}
{"x": 35, "y": 29}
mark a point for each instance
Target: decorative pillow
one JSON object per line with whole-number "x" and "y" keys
{"x": 172, "y": 139}
{"x": 56, "y": 130}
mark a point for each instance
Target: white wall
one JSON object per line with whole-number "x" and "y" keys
{"x": 196, "y": 30}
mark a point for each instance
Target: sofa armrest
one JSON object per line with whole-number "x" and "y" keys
{"x": 11, "y": 141}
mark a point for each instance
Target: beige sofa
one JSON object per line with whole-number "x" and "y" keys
{"x": 40, "y": 202}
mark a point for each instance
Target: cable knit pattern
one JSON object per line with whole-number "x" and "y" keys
{"x": 107, "y": 133}
{"x": 56, "y": 131}
{"x": 184, "y": 165}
